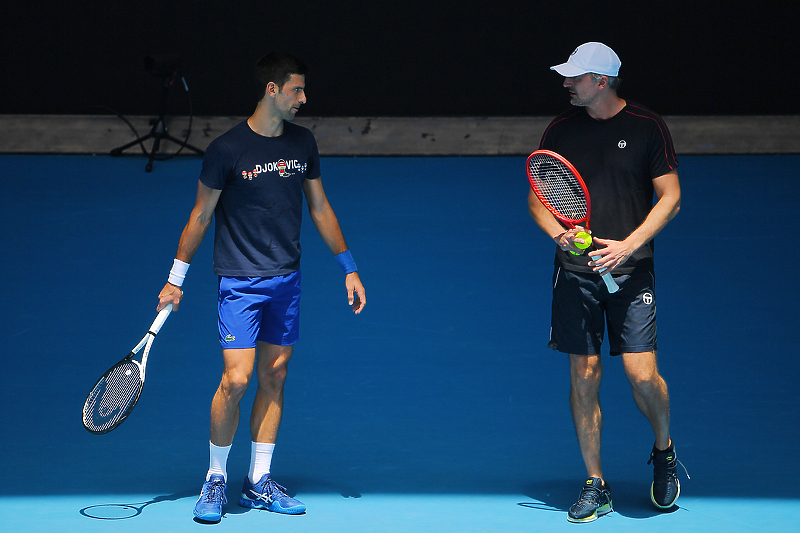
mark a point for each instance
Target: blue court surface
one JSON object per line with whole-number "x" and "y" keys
{"x": 438, "y": 409}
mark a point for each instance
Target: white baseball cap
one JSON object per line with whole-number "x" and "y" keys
{"x": 590, "y": 57}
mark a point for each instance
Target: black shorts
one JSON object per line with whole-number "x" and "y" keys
{"x": 583, "y": 308}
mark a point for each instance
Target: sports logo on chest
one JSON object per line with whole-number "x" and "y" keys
{"x": 282, "y": 167}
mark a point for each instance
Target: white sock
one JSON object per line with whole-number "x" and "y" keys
{"x": 260, "y": 460}
{"x": 218, "y": 460}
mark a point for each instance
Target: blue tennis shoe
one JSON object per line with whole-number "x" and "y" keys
{"x": 209, "y": 505}
{"x": 266, "y": 494}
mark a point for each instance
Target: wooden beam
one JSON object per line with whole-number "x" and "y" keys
{"x": 387, "y": 136}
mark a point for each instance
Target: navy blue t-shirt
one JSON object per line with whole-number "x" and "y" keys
{"x": 618, "y": 160}
{"x": 260, "y": 209}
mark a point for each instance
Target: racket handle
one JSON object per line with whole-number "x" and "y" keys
{"x": 610, "y": 283}
{"x": 160, "y": 319}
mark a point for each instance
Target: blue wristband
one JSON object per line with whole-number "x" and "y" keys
{"x": 346, "y": 261}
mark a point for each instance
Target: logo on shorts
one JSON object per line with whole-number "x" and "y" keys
{"x": 229, "y": 338}
{"x": 622, "y": 144}
{"x": 647, "y": 298}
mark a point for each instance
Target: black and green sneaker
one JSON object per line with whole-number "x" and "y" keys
{"x": 594, "y": 501}
{"x": 666, "y": 488}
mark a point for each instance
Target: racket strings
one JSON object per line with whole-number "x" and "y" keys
{"x": 112, "y": 397}
{"x": 558, "y": 186}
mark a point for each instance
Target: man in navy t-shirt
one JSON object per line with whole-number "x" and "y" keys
{"x": 252, "y": 183}
{"x": 624, "y": 153}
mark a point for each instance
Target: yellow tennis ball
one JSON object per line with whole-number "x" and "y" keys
{"x": 587, "y": 240}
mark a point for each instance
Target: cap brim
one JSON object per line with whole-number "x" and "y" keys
{"x": 568, "y": 70}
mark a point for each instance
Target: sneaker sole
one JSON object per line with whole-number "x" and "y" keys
{"x": 208, "y": 517}
{"x": 252, "y": 504}
{"x": 669, "y": 506}
{"x": 600, "y": 511}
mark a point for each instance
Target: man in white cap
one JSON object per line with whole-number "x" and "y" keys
{"x": 625, "y": 155}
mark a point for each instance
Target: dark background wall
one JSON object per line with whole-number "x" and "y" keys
{"x": 412, "y": 58}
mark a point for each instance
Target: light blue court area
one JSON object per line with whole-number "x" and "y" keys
{"x": 438, "y": 409}
{"x": 377, "y": 513}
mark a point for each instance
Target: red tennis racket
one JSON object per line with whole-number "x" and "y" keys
{"x": 562, "y": 191}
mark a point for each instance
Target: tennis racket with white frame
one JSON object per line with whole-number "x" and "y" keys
{"x": 560, "y": 188}
{"x": 115, "y": 394}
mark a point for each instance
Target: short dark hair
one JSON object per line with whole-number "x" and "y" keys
{"x": 278, "y": 67}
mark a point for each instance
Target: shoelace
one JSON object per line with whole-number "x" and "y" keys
{"x": 666, "y": 466}
{"x": 213, "y": 491}
{"x": 684, "y": 469}
{"x": 273, "y": 488}
{"x": 590, "y": 495}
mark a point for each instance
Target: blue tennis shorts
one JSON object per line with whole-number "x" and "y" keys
{"x": 259, "y": 309}
{"x": 583, "y": 308}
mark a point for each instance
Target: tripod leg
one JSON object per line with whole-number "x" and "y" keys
{"x": 156, "y": 144}
{"x": 181, "y": 142}
{"x": 118, "y": 151}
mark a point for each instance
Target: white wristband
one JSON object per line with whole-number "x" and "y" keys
{"x": 178, "y": 272}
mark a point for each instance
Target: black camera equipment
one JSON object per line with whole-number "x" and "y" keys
{"x": 166, "y": 67}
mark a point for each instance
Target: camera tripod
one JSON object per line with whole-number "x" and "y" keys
{"x": 159, "y": 130}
